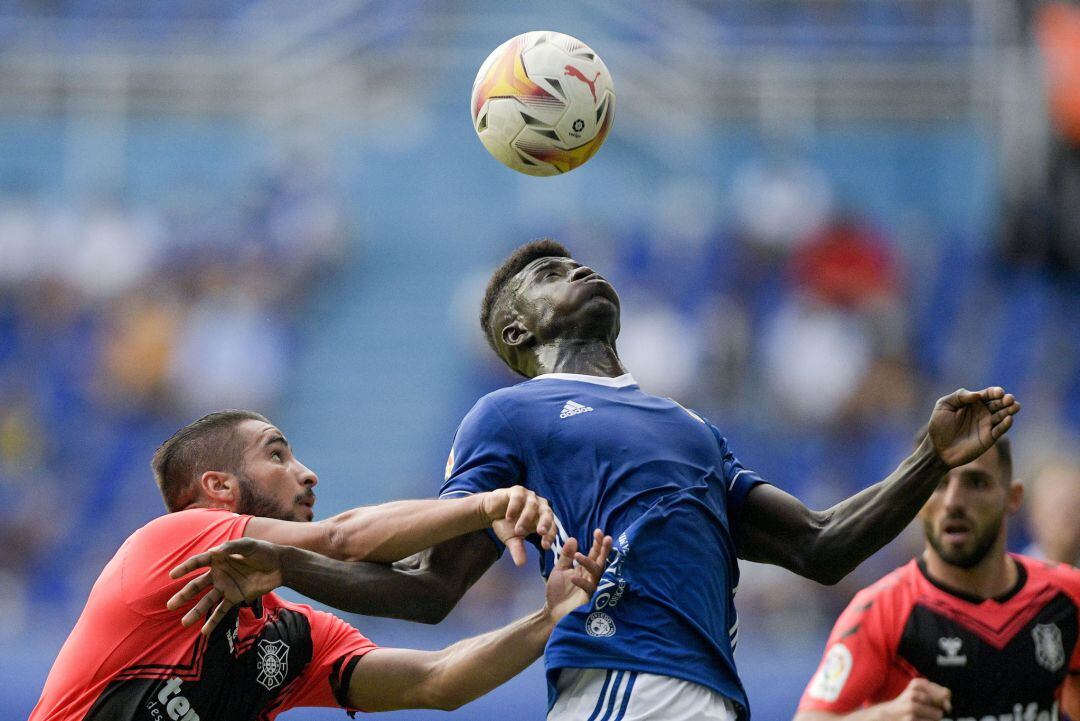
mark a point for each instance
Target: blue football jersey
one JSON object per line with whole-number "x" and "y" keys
{"x": 661, "y": 481}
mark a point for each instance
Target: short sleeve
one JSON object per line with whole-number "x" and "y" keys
{"x": 738, "y": 479}
{"x": 856, "y": 663}
{"x": 336, "y": 649}
{"x": 485, "y": 454}
{"x": 161, "y": 545}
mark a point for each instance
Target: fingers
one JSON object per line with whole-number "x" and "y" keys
{"x": 190, "y": 591}
{"x": 546, "y": 525}
{"x": 516, "y": 546}
{"x": 220, "y": 612}
{"x": 567, "y": 554}
{"x": 202, "y": 607}
{"x": 999, "y": 430}
{"x": 601, "y": 549}
{"x": 529, "y": 516}
{"x": 515, "y": 502}
{"x": 928, "y": 700}
{"x": 1005, "y": 413}
{"x": 239, "y": 546}
{"x": 192, "y": 564}
{"x": 963, "y": 397}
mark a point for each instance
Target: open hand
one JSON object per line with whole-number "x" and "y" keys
{"x": 570, "y": 586}
{"x": 516, "y": 513}
{"x": 966, "y": 423}
{"x": 241, "y": 571}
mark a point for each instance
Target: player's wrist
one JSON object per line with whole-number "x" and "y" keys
{"x": 547, "y": 617}
{"x": 486, "y": 508}
{"x": 290, "y": 564}
{"x": 927, "y": 454}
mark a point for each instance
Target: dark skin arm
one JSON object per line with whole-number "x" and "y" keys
{"x": 422, "y": 588}
{"x": 826, "y": 545}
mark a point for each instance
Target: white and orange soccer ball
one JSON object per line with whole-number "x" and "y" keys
{"x": 543, "y": 103}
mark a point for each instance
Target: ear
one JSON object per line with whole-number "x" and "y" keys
{"x": 515, "y": 334}
{"x": 219, "y": 488}
{"x": 1015, "y": 497}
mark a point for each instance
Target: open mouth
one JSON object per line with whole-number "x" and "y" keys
{"x": 956, "y": 531}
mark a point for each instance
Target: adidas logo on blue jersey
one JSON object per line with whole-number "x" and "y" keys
{"x": 572, "y": 409}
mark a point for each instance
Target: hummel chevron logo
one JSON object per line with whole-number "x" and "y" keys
{"x": 573, "y": 409}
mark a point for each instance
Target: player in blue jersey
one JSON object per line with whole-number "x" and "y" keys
{"x": 656, "y": 640}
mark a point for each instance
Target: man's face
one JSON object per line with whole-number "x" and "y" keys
{"x": 560, "y": 298}
{"x": 274, "y": 483}
{"x": 963, "y": 518}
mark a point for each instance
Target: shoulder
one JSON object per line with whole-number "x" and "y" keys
{"x": 889, "y": 595}
{"x": 1060, "y": 575}
{"x": 176, "y": 526}
{"x": 502, "y": 402}
{"x": 512, "y": 405}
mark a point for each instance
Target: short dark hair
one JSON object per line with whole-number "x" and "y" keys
{"x": 1003, "y": 446}
{"x": 539, "y": 248}
{"x": 208, "y": 444}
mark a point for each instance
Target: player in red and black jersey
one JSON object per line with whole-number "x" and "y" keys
{"x": 965, "y": 632}
{"x": 232, "y": 475}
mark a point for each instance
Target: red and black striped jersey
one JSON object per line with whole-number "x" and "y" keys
{"x": 1009, "y": 657}
{"x": 130, "y": 659}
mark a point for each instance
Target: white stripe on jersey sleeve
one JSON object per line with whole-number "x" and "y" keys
{"x": 450, "y": 494}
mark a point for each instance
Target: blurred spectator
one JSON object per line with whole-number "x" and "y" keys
{"x": 229, "y": 352}
{"x": 778, "y": 202}
{"x": 659, "y": 346}
{"x": 837, "y": 345}
{"x": 1044, "y": 229}
{"x": 1053, "y": 507}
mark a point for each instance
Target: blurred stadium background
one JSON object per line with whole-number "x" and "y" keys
{"x": 821, "y": 216}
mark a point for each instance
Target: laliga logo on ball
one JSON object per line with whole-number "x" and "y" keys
{"x": 543, "y": 103}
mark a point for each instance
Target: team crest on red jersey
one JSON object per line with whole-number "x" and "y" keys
{"x": 273, "y": 663}
{"x": 1049, "y": 651}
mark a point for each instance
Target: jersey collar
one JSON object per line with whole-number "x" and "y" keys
{"x": 1021, "y": 579}
{"x": 622, "y": 381}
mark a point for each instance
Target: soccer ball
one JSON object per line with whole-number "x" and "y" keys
{"x": 543, "y": 103}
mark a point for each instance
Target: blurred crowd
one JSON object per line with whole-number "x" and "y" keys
{"x": 118, "y": 323}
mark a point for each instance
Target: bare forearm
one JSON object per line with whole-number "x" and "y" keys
{"x": 856, "y": 528}
{"x": 371, "y": 589}
{"x": 392, "y": 531}
{"x": 473, "y": 667}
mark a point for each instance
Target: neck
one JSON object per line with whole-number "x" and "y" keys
{"x": 586, "y": 357}
{"x": 991, "y": 577}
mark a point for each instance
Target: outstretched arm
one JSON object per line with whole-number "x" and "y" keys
{"x": 424, "y": 587}
{"x": 388, "y": 679}
{"x": 826, "y": 545}
{"x": 392, "y": 531}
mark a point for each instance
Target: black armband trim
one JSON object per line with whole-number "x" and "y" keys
{"x": 340, "y": 677}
